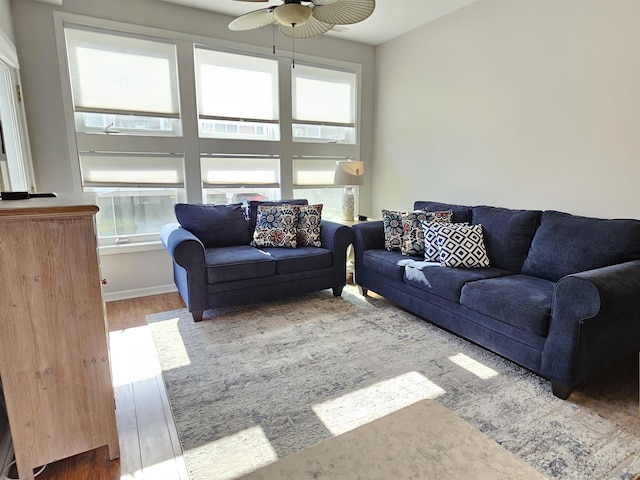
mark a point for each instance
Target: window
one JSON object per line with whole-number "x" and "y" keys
{"x": 126, "y": 85}
{"x": 323, "y": 105}
{"x": 136, "y": 193}
{"x": 240, "y": 179}
{"x": 237, "y": 95}
{"x": 139, "y": 154}
{"x": 313, "y": 180}
{"x": 314, "y": 171}
{"x": 122, "y": 83}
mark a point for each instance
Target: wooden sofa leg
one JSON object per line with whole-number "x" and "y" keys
{"x": 337, "y": 291}
{"x": 363, "y": 291}
{"x": 197, "y": 316}
{"x": 561, "y": 391}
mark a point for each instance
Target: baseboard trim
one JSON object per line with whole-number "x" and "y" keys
{"x": 139, "y": 292}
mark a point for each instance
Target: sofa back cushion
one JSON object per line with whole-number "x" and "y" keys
{"x": 461, "y": 213}
{"x": 566, "y": 244}
{"x": 507, "y": 234}
{"x": 215, "y": 225}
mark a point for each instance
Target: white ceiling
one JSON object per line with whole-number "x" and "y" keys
{"x": 390, "y": 19}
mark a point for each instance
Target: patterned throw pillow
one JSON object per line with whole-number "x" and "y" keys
{"x": 392, "y": 224}
{"x": 430, "y": 236}
{"x": 276, "y": 226}
{"x": 412, "y": 232}
{"x": 462, "y": 246}
{"x": 308, "y": 225}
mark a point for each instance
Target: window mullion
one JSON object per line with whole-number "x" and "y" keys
{"x": 286, "y": 127}
{"x": 189, "y": 114}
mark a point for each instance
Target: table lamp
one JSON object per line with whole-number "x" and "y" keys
{"x": 348, "y": 174}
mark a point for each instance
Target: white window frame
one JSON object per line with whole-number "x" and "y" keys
{"x": 190, "y": 144}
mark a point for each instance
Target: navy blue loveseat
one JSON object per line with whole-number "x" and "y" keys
{"x": 215, "y": 265}
{"x": 561, "y": 295}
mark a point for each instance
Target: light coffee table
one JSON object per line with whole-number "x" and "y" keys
{"x": 421, "y": 441}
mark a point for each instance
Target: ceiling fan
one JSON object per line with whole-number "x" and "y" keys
{"x": 305, "y": 18}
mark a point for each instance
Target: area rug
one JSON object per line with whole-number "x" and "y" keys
{"x": 252, "y": 384}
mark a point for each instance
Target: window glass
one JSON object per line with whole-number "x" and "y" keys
{"x": 134, "y": 214}
{"x": 237, "y": 95}
{"x": 330, "y": 198}
{"x": 323, "y": 104}
{"x": 239, "y": 195}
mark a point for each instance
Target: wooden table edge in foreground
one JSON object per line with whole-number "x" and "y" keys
{"x": 423, "y": 440}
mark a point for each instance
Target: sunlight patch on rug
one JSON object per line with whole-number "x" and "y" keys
{"x": 470, "y": 365}
{"x": 365, "y": 405}
{"x": 235, "y": 455}
{"x": 176, "y": 351}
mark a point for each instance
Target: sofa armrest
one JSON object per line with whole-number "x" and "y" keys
{"x": 183, "y": 246}
{"x": 337, "y": 238}
{"x": 189, "y": 272}
{"x": 600, "y": 309}
{"x": 368, "y": 236}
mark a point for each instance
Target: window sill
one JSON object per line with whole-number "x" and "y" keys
{"x": 130, "y": 248}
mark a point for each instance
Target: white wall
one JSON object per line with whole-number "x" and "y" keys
{"x": 141, "y": 272}
{"x": 6, "y": 27}
{"x": 523, "y": 104}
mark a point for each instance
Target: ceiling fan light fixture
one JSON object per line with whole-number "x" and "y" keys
{"x": 292, "y": 14}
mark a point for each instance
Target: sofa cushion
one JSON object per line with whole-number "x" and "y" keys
{"x": 412, "y": 232}
{"x": 392, "y": 225}
{"x": 518, "y": 300}
{"x": 226, "y": 264}
{"x": 507, "y": 234}
{"x": 254, "y": 204}
{"x": 566, "y": 244}
{"x": 276, "y": 226}
{"x": 214, "y": 225}
{"x": 443, "y": 281}
{"x": 308, "y": 226}
{"x": 302, "y": 259}
{"x": 389, "y": 265}
{"x": 461, "y": 246}
{"x": 461, "y": 213}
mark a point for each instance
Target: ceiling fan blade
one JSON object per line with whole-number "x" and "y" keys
{"x": 251, "y": 20}
{"x": 310, "y": 28}
{"x": 344, "y": 12}
{"x": 251, "y": 0}
{"x": 323, "y": 2}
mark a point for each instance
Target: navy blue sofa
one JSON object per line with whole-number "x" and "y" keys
{"x": 214, "y": 264}
{"x": 561, "y": 296}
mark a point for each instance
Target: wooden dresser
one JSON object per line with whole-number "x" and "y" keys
{"x": 54, "y": 352}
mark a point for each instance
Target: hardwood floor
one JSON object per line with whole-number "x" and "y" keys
{"x": 149, "y": 447}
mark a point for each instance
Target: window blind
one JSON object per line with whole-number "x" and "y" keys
{"x": 131, "y": 170}
{"x": 240, "y": 171}
{"x": 234, "y": 86}
{"x": 120, "y": 74}
{"x": 322, "y": 95}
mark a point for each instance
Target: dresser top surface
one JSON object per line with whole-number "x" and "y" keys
{"x": 63, "y": 204}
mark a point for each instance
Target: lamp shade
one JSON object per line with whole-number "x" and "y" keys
{"x": 349, "y": 173}
{"x": 291, "y": 14}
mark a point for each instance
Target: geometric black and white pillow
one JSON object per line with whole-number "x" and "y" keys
{"x": 462, "y": 246}
{"x": 430, "y": 237}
